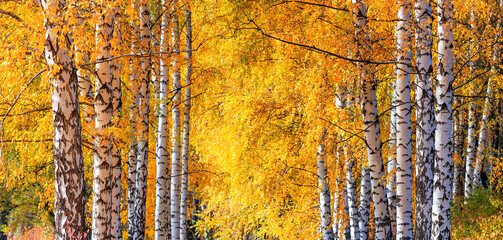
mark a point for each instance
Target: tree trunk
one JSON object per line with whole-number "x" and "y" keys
{"x": 482, "y": 135}
{"x": 162, "y": 221}
{"x": 425, "y": 119}
{"x": 403, "y": 126}
{"x": 69, "y": 205}
{"x": 144, "y": 111}
{"x": 326, "y": 218}
{"x": 458, "y": 150}
{"x": 471, "y": 148}
{"x": 186, "y": 128}
{"x": 351, "y": 194}
{"x": 102, "y": 168}
{"x": 364, "y": 209}
{"x": 391, "y": 166}
{"x": 443, "y": 116}
{"x": 371, "y": 123}
{"x": 175, "y": 150}
{"x": 116, "y": 230}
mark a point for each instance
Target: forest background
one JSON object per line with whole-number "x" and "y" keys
{"x": 277, "y": 131}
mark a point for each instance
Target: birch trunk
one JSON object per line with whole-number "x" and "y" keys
{"x": 364, "y": 209}
{"x": 116, "y": 230}
{"x": 471, "y": 148}
{"x": 326, "y": 218}
{"x": 403, "y": 125}
{"x": 336, "y": 215}
{"x": 371, "y": 123}
{"x": 69, "y": 204}
{"x": 458, "y": 149}
{"x": 351, "y": 194}
{"x": 162, "y": 221}
{"x": 482, "y": 134}
{"x": 134, "y": 117}
{"x": 425, "y": 119}
{"x": 186, "y": 128}
{"x": 391, "y": 166}
{"x": 443, "y": 116}
{"x": 144, "y": 111}
{"x": 102, "y": 168}
{"x": 175, "y": 150}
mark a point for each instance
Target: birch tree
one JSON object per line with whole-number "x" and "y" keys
{"x": 144, "y": 111}
{"x": 162, "y": 221}
{"x": 175, "y": 140}
{"x": 116, "y": 231}
{"x": 134, "y": 117}
{"x": 326, "y": 218}
{"x": 69, "y": 204}
{"x": 443, "y": 116}
{"x": 186, "y": 127}
{"x": 391, "y": 165}
{"x": 102, "y": 167}
{"x": 368, "y": 97}
{"x": 471, "y": 148}
{"x": 424, "y": 114}
{"x": 364, "y": 208}
{"x": 403, "y": 129}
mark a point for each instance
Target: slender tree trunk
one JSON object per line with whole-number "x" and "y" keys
{"x": 116, "y": 230}
{"x": 336, "y": 215}
{"x": 443, "y": 116}
{"x": 425, "y": 119}
{"x": 69, "y": 205}
{"x": 403, "y": 126}
{"x": 482, "y": 134}
{"x": 458, "y": 149}
{"x": 371, "y": 123}
{"x": 175, "y": 150}
{"x": 162, "y": 211}
{"x": 186, "y": 128}
{"x": 391, "y": 166}
{"x": 133, "y": 149}
{"x": 144, "y": 111}
{"x": 364, "y": 209}
{"x": 471, "y": 149}
{"x": 351, "y": 195}
{"x": 102, "y": 184}
{"x": 326, "y": 218}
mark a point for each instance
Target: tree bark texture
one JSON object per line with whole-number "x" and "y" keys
{"x": 443, "y": 131}
{"x": 162, "y": 211}
{"x": 186, "y": 127}
{"x": 144, "y": 111}
{"x": 69, "y": 205}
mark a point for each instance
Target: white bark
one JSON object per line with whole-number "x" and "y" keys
{"x": 102, "y": 168}
{"x": 351, "y": 195}
{"x": 482, "y": 134}
{"x": 458, "y": 138}
{"x": 336, "y": 215}
{"x": 364, "y": 208}
{"x": 186, "y": 127}
{"x": 162, "y": 221}
{"x": 144, "y": 111}
{"x": 391, "y": 166}
{"x": 175, "y": 150}
{"x": 69, "y": 204}
{"x": 116, "y": 231}
{"x": 425, "y": 119}
{"x": 326, "y": 218}
{"x": 403, "y": 125}
{"x": 471, "y": 148}
{"x": 371, "y": 123}
{"x": 134, "y": 117}
{"x": 443, "y": 116}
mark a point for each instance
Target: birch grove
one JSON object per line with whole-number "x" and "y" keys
{"x": 238, "y": 119}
